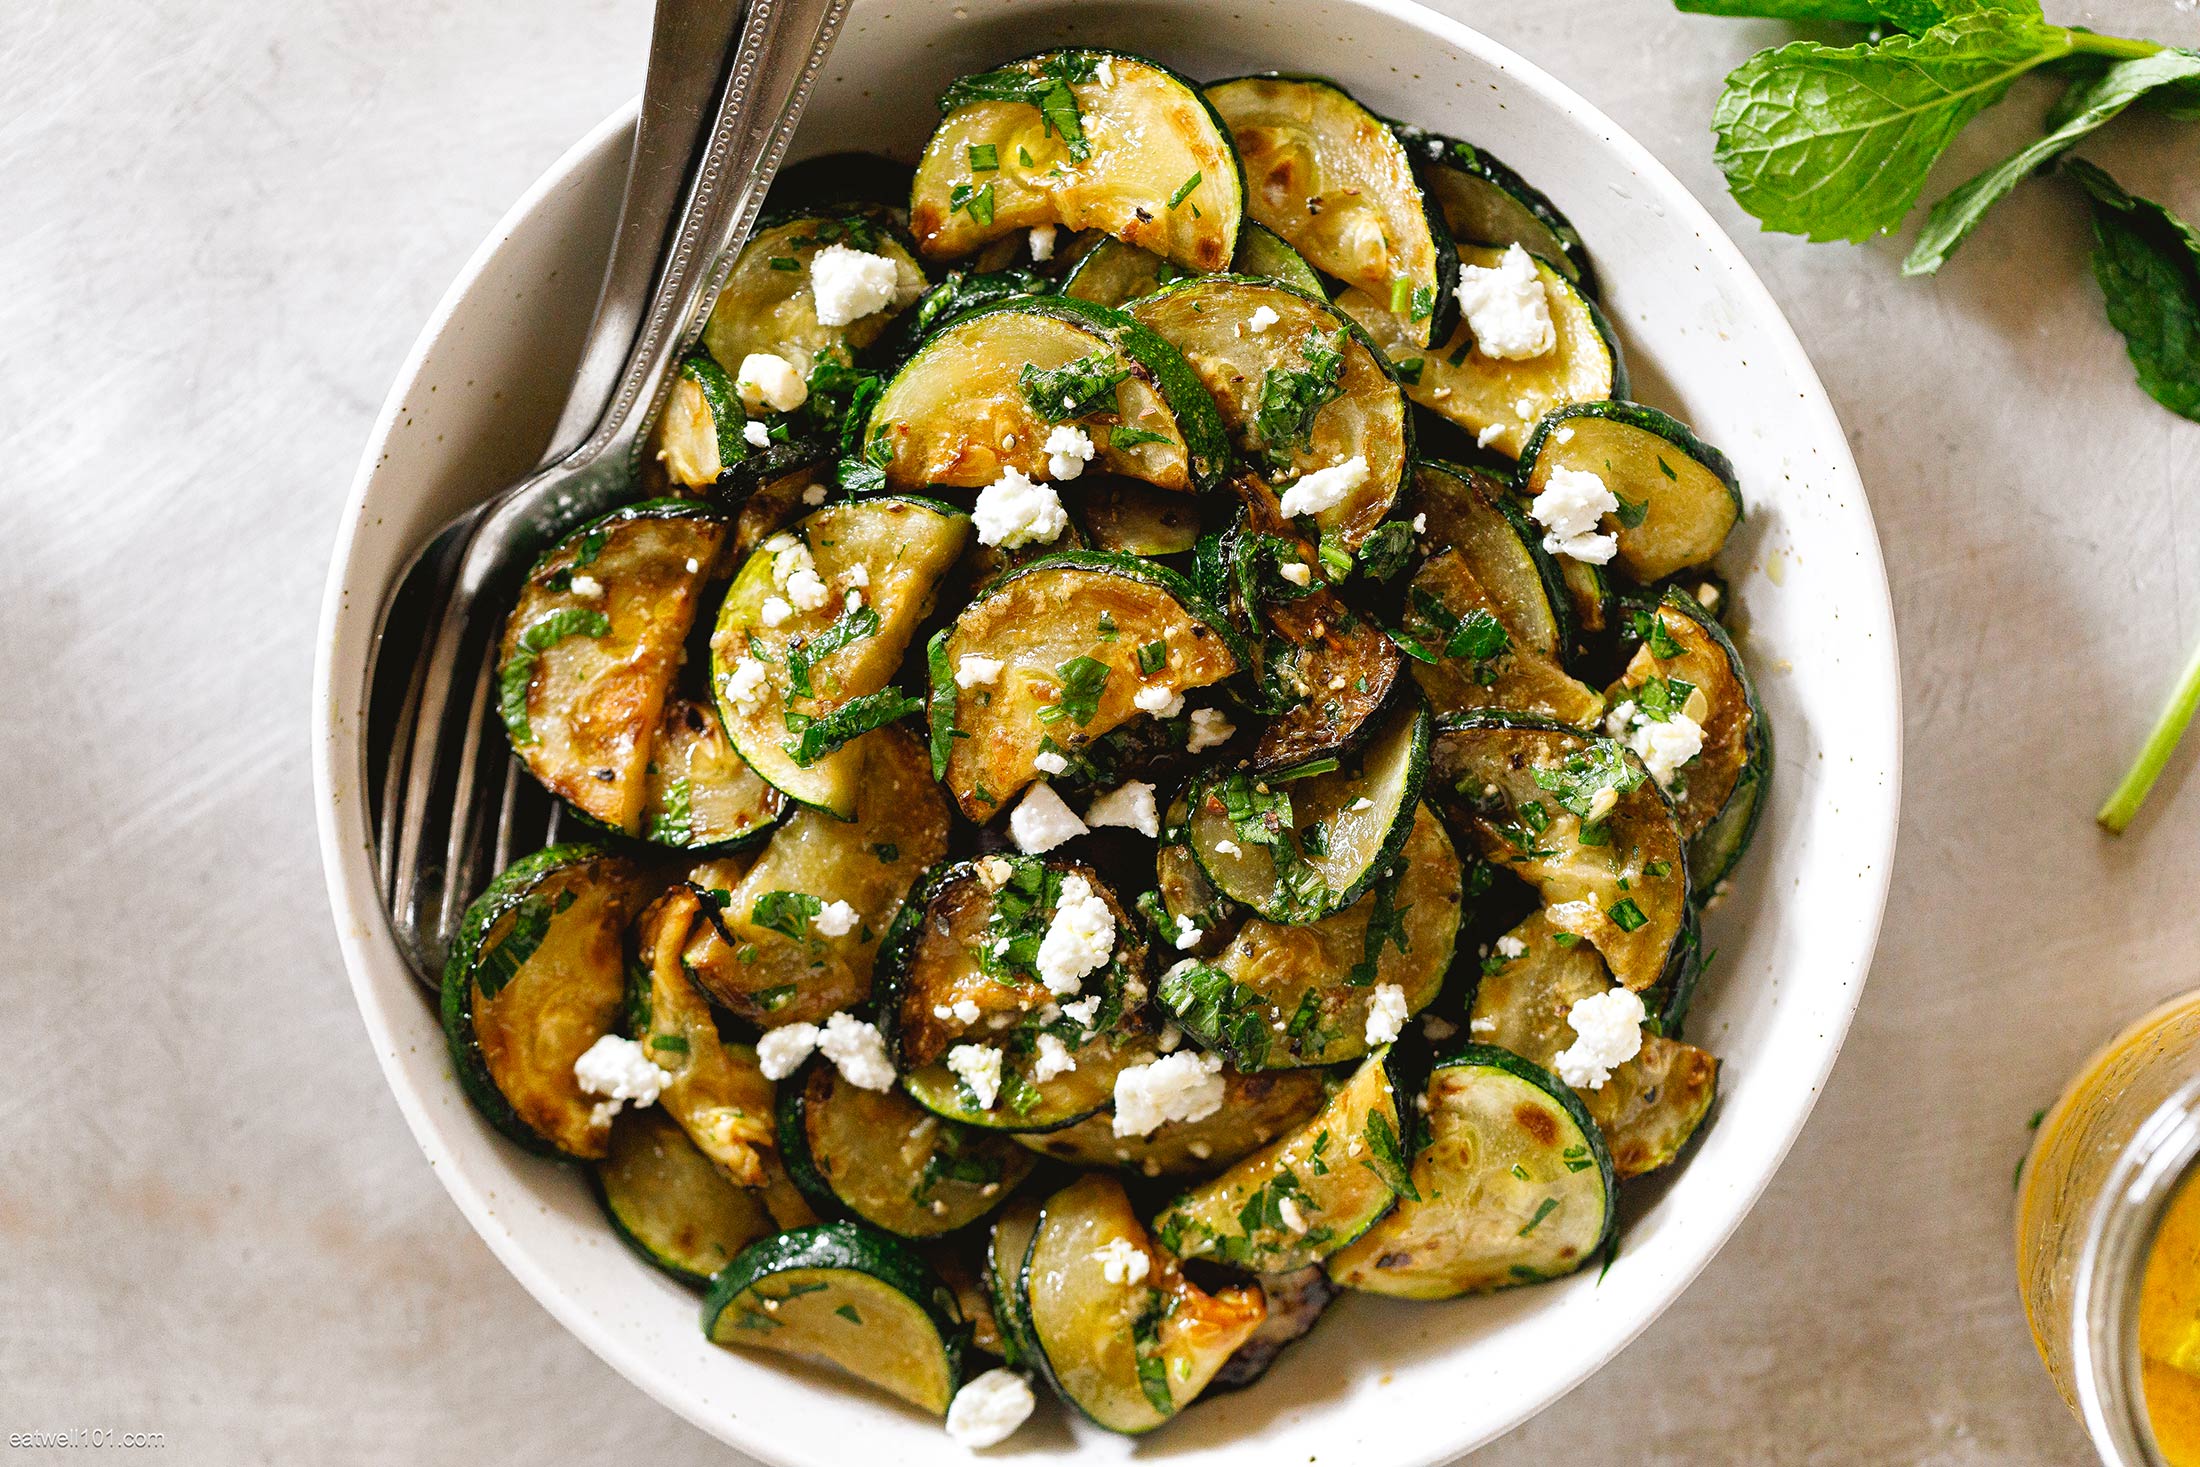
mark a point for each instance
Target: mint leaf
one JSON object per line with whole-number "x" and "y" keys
{"x": 2147, "y": 261}
{"x": 814, "y": 738}
{"x": 786, "y": 912}
{"x": 518, "y": 674}
{"x": 1835, "y": 143}
{"x": 1291, "y": 396}
{"x": 2088, "y": 106}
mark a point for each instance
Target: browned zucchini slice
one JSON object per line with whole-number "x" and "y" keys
{"x": 670, "y": 1204}
{"x": 701, "y": 796}
{"x": 717, "y": 1092}
{"x": 1473, "y": 512}
{"x": 1467, "y": 656}
{"x": 1679, "y": 497}
{"x": 1255, "y": 1110}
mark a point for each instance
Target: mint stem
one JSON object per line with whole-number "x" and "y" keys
{"x": 2161, "y": 742}
{"x": 2120, "y": 48}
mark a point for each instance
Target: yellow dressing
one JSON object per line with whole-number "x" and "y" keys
{"x": 2169, "y": 1329}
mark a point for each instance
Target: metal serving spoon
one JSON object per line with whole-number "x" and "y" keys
{"x": 717, "y": 111}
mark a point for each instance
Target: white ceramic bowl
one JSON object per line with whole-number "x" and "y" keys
{"x": 1385, "y": 1384}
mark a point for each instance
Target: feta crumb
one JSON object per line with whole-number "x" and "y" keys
{"x": 1046, "y": 761}
{"x": 972, "y": 670}
{"x": 1188, "y": 933}
{"x": 1298, "y": 573}
{"x": 1420, "y": 524}
{"x": 1487, "y": 1024}
{"x": 1122, "y": 1261}
{"x": 1105, "y": 70}
{"x": 1170, "y": 1038}
{"x": 1361, "y": 806}
{"x": 814, "y": 495}
{"x": 1489, "y": 435}
{"x": 859, "y": 574}
{"x": 851, "y": 284}
{"x": 1506, "y": 307}
{"x": 978, "y": 1066}
{"x": 853, "y": 601}
{"x": 1288, "y": 1212}
{"x": 1159, "y": 699}
{"x": 1209, "y": 728}
{"x": 1040, "y": 821}
{"x": 806, "y": 589}
{"x": 1042, "y": 243}
{"x": 693, "y": 565}
{"x": 1665, "y": 747}
{"x": 1013, "y": 511}
{"x": 1080, "y": 938}
{"x": 1054, "y": 1059}
{"x": 1602, "y": 803}
{"x": 1570, "y": 508}
{"x": 760, "y": 436}
{"x": 994, "y": 871}
{"x": 745, "y": 684}
{"x": 1130, "y": 804}
{"x": 1510, "y": 947}
{"x": 1437, "y": 1029}
{"x": 835, "y": 919}
{"x": 1324, "y": 488}
{"x": 1564, "y": 435}
{"x": 1386, "y": 1013}
{"x": 619, "y": 1070}
{"x": 587, "y": 586}
{"x": 1262, "y": 318}
{"x": 1228, "y": 848}
{"x": 768, "y": 381}
{"x": 858, "y": 1051}
{"x": 1185, "y": 1086}
{"x": 1084, "y": 1011}
{"x": 1707, "y": 595}
{"x": 775, "y": 611}
{"x": 790, "y": 557}
{"x": 989, "y": 1408}
{"x": 1607, "y": 1033}
{"x": 1068, "y": 449}
{"x": 780, "y": 1052}
{"x": 1621, "y": 720}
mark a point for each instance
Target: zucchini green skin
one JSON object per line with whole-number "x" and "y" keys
{"x": 1491, "y": 1057}
{"x": 1508, "y": 504}
{"x": 506, "y": 892}
{"x": 727, "y": 416}
{"x": 1007, "y": 1244}
{"x": 627, "y": 1213}
{"x": 788, "y": 1125}
{"x": 1262, "y": 252}
{"x": 666, "y": 507}
{"x": 1434, "y": 150}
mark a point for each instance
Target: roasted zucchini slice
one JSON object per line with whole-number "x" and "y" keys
{"x": 759, "y": 952}
{"x": 1296, "y": 1301}
{"x": 1122, "y": 1335}
{"x": 1078, "y": 636}
{"x": 1112, "y": 272}
{"x": 850, "y": 1296}
{"x": 1650, "y": 1105}
{"x": 1331, "y": 178}
{"x": 958, "y": 293}
{"x": 700, "y": 795}
{"x": 591, "y": 650}
{"x": 1512, "y": 1187}
{"x": 537, "y": 975}
{"x": 1300, "y": 1199}
{"x": 1580, "y": 820}
{"x": 1485, "y": 203}
{"x": 1465, "y": 654}
{"x": 1678, "y": 496}
{"x": 787, "y": 671}
{"x": 1496, "y": 399}
{"x": 880, "y": 1156}
{"x": 717, "y": 1091}
{"x": 768, "y": 304}
{"x": 670, "y": 1204}
{"x": 1125, "y": 517}
{"x": 1084, "y": 140}
{"x": 1302, "y": 995}
{"x": 700, "y": 432}
{"x": 1296, "y": 849}
{"x": 1719, "y": 794}
{"x": 1255, "y": 1110}
{"x": 948, "y": 983}
{"x": 1005, "y": 1246}
{"x": 1464, "y": 509}
{"x": 1304, "y": 394}
{"x": 984, "y": 391}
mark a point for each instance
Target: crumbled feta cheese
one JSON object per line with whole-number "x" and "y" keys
{"x": 780, "y": 1052}
{"x": 1287, "y": 1211}
{"x": 1188, "y": 933}
{"x": 814, "y": 495}
{"x": 1130, "y": 804}
{"x": 1185, "y": 1086}
{"x": 619, "y": 1070}
{"x": 859, "y": 574}
{"x": 1042, "y": 243}
{"x": 1361, "y": 806}
{"x": 1209, "y": 728}
{"x": 1013, "y": 511}
{"x": 1707, "y": 595}
{"x": 1079, "y": 939}
{"x": 994, "y": 871}
{"x": 1487, "y": 1024}
{"x": 1054, "y": 1059}
{"x": 1297, "y": 572}
{"x": 978, "y": 1066}
{"x": 1386, "y": 1013}
{"x": 851, "y": 284}
{"x": 1228, "y": 848}
{"x": 1621, "y": 720}
{"x": 1046, "y": 761}
{"x": 853, "y": 601}
{"x": 1169, "y": 1039}
{"x": 1084, "y": 1011}
{"x": 1420, "y": 524}
{"x": 1665, "y": 747}
{"x": 1122, "y": 1261}
{"x": 989, "y": 1408}
{"x": 1607, "y": 1033}
{"x": 1068, "y": 449}
{"x": 806, "y": 589}
{"x": 745, "y": 684}
{"x": 1510, "y": 947}
{"x": 1437, "y": 1029}
{"x": 1040, "y": 821}
{"x": 1570, "y": 508}
{"x": 1324, "y": 488}
{"x": 1489, "y": 435}
{"x": 1506, "y": 307}
{"x": 1105, "y": 70}
{"x": 858, "y": 1051}
{"x": 790, "y": 557}
{"x": 587, "y": 586}
{"x": 972, "y": 670}
{"x": 1159, "y": 699}
{"x": 835, "y": 919}
{"x": 1262, "y": 318}
{"x": 768, "y": 381}
{"x": 1602, "y": 803}
{"x": 775, "y": 611}
{"x": 760, "y": 436}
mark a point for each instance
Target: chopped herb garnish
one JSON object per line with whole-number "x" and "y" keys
{"x": 814, "y": 738}
{"x": 1153, "y": 656}
{"x": 1184, "y": 189}
{"x": 785, "y": 262}
{"x": 1291, "y": 396}
{"x": 978, "y": 201}
{"x": 1549, "y": 1206}
{"x": 1387, "y": 1158}
{"x": 1082, "y": 679}
{"x": 1219, "y": 1012}
{"x": 984, "y": 158}
{"x": 786, "y": 912}
{"x": 501, "y": 964}
{"x": 674, "y": 822}
{"x": 1626, "y": 915}
{"x": 1044, "y": 85}
{"x": 669, "y": 1043}
{"x": 1127, "y": 437}
{"x": 541, "y": 635}
{"x": 1079, "y": 389}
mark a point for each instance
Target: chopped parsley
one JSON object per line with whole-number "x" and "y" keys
{"x": 1080, "y": 389}
{"x": 1291, "y": 396}
{"x": 786, "y": 912}
{"x": 814, "y": 738}
{"x": 1082, "y": 679}
{"x": 518, "y": 673}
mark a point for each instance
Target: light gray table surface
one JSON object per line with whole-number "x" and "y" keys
{"x": 222, "y": 223}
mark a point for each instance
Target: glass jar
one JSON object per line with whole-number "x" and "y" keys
{"x": 2108, "y": 1241}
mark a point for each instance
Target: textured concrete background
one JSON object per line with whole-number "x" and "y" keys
{"x": 224, "y": 221}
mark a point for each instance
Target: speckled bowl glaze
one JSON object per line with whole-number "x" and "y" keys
{"x": 1384, "y": 1384}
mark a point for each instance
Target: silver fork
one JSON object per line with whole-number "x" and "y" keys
{"x": 717, "y": 112}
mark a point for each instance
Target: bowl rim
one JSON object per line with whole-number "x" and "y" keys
{"x": 340, "y": 814}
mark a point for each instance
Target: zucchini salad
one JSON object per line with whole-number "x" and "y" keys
{"x": 1151, "y": 757}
